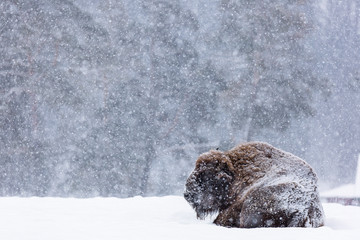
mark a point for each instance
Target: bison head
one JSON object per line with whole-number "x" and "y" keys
{"x": 208, "y": 186}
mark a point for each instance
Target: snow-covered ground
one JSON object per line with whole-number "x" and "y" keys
{"x": 146, "y": 218}
{"x": 346, "y": 191}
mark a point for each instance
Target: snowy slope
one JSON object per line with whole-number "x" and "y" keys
{"x": 346, "y": 191}
{"x": 146, "y": 218}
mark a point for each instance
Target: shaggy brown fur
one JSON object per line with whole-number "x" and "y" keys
{"x": 255, "y": 185}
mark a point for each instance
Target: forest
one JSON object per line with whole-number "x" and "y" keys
{"x": 119, "y": 97}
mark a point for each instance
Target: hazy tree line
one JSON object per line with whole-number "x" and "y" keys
{"x": 117, "y": 98}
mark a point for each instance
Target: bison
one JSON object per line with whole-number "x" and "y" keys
{"x": 255, "y": 185}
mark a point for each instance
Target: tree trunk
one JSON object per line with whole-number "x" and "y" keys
{"x": 249, "y": 131}
{"x": 150, "y": 155}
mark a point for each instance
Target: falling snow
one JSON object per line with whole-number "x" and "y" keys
{"x": 118, "y": 98}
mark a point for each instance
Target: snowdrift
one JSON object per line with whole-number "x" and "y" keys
{"x": 147, "y": 218}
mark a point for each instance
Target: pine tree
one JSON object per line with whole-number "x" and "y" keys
{"x": 277, "y": 81}
{"x": 45, "y": 47}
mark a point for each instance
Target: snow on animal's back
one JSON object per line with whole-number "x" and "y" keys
{"x": 262, "y": 159}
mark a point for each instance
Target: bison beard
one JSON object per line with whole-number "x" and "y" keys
{"x": 255, "y": 185}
